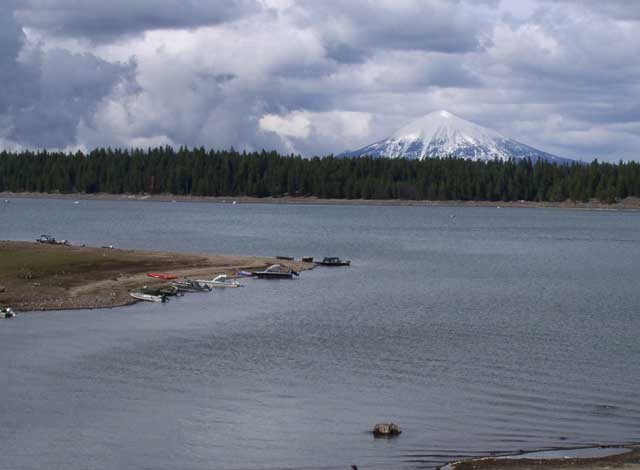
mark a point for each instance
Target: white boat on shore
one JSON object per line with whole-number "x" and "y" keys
{"x": 7, "y": 312}
{"x": 148, "y": 297}
{"x": 188, "y": 285}
{"x": 221, "y": 280}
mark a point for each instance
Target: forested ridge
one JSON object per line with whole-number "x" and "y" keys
{"x": 229, "y": 173}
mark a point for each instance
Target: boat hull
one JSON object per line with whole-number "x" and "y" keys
{"x": 221, "y": 284}
{"x": 190, "y": 287}
{"x": 7, "y": 313}
{"x": 170, "y": 291}
{"x": 267, "y": 275}
{"x": 147, "y": 297}
{"x": 220, "y": 281}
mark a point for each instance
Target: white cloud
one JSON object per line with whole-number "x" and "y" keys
{"x": 294, "y": 124}
{"x": 298, "y": 127}
{"x": 318, "y": 77}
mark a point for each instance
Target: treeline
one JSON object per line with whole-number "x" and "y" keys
{"x": 230, "y": 173}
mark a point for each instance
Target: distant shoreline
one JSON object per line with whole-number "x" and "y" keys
{"x": 628, "y": 204}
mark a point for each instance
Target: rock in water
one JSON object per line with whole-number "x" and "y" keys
{"x": 386, "y": 429}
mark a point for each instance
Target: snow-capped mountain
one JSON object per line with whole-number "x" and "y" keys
{"x": 442, "y": 134}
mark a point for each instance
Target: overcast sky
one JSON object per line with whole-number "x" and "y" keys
{"x": 318, "y": 77}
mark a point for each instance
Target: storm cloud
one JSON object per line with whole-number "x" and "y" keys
{"x": 318, "y": 77}
{"x": 112, "y": 19}
{"x": 46, "y": 93}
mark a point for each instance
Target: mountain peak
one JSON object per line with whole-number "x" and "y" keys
{"x": 443, "y": 134}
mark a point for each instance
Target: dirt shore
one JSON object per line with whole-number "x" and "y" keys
{"x": 626, "y": 461}
{"x": 628, "y": 204}
{"x": 53, "y": 277}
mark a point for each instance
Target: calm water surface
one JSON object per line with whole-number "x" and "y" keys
{"x": 478, "y": 330}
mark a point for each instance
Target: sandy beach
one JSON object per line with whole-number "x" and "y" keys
{"x": 38, "y": 276}
{"x": 628, "y": 204}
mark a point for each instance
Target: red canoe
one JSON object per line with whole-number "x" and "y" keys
{"x": 161, "y": 276}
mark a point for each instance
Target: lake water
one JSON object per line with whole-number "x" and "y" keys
{"x": 478, "y": 330}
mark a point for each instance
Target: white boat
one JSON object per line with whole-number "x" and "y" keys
{"x": 221, "y": 280}
{"x": 148, "y": 297}
{"x": 7, "y": 312}
{"x": 276, "y": 271}
{"x": 190, "y": 286}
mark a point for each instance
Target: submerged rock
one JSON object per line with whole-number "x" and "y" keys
{"x": 386, "y": 429}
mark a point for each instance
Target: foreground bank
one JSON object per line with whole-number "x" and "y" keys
{"x": 563, "y": 460}
{"x": 53, "y": 277}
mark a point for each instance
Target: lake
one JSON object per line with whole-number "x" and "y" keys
{"x": 478, "y": 330}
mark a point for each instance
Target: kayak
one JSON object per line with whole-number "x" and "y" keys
{"x": 161, "y": 276}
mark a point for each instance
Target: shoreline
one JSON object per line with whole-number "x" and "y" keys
{"x": 41, "y": 277}
{"x": 628, "y": 204}
{"x": 627, "y": 461}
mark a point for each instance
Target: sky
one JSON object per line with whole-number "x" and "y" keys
{"x": 317, "y": 77}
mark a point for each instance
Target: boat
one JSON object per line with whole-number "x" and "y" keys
{"x": 220, "y": 281}
{"x": 275, "y": 271}
{"x": 7, "y": 312}
{"x": 244, "y": 273}
{"x": 162, "y": 276}
{"x": 49, "y": 240}
{"x": 168, "y": 290}
{"x": 190, "y": 286}
{"x": 333, "y": 261}
{"x": 148, "y": 297}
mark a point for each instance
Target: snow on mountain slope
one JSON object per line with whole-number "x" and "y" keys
{"x": 443, "y": 134}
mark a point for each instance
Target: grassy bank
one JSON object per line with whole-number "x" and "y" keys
{"x": 50, "y": 277}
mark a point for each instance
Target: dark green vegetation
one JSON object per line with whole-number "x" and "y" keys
{"x": 229, "y": 173}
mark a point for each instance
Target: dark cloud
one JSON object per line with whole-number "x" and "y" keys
{"x": 353, "y": 29}
{"x": 15, "y": 87}
{"x": 46, "y": 93}
{"x": 619, "y": 9}
{"x": 99, "y": 20}
{"x": 67, "y": 88}
{"x": 11, "y": 36}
